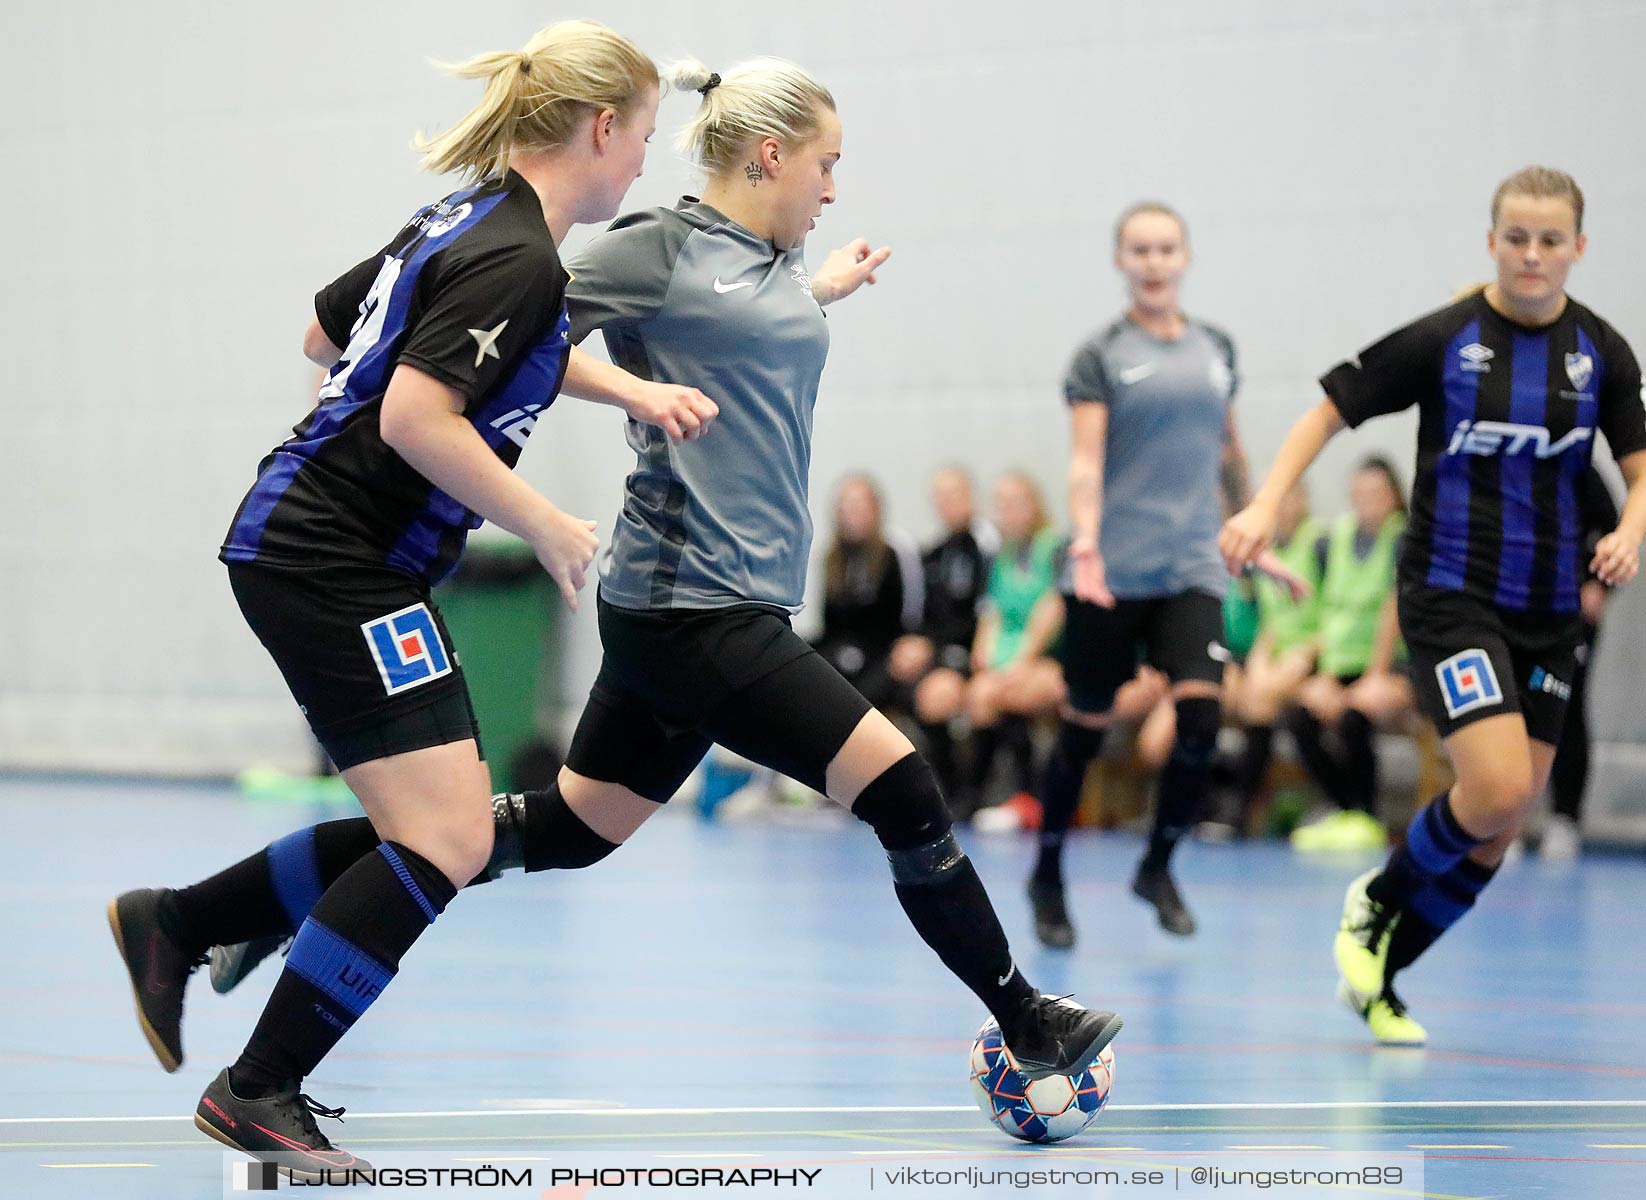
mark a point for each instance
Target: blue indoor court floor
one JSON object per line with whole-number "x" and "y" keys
{"x": 750, "y": 995}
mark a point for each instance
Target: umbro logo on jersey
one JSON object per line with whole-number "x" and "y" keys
{"x": 1476, "y": 358}
{"x": 1580, "y": 368}
{"x": 723, "y": 288}
{"x": 1137, "y": 374}
{"x": 517, "y": 426}
{"x": 487, "y": 341}
{"x": 446, "y": 219}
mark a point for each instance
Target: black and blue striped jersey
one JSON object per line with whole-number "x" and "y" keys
{"x": 1507, "y": 416}
{"x": 470, "y": 292}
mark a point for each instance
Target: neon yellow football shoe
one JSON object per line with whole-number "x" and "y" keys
{"x": 1362, "y": 944}
{"x": 1386, "y": 1017}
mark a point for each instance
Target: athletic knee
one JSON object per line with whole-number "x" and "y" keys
{"x": 1198, "y": 720}
{"x": 1500, "y": 793}
{"x": 539, "y": 831}
{"x": 904, "y": 805}
{"x": 461, "y": 847}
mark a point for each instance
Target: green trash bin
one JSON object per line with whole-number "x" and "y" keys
{"x": 501, "y": 608}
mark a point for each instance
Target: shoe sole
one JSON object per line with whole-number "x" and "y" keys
{"x": 217, "y": 1135}
{"x": 156, "y": 1042}
{"x": 1085, "y": 1059}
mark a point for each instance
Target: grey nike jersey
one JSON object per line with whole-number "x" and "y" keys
{"x": 686, "y": 296}
{"x": 1168, "y": 407}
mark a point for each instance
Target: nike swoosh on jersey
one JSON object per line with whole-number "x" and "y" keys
{"x": 723, "y": 288}
{"x": 1138, "y": 373}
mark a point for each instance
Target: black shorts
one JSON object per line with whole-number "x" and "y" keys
{"x": 672, "y": 683}
{"x": 1180, "y": 636}
{"x": 365, "y": 654}
{"x": 1472, "y": 660}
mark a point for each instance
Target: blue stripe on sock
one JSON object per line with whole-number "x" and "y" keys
{"x": 339, "y": 968}
{"x": 296, "y": 874}
{"x": 1429, "y": 847}
{"x": 407, "y": 881}
{"x": 1438, "y": 908}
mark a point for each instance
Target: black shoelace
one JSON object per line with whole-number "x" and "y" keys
{"x": 1375, "y": 924}
{"x": 305, "y": 1107}
{"x": 1044, "y": 1016}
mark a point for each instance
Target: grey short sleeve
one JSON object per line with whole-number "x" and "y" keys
{"x": 1087, "y": 380}
{"x": 621, "y": 277}
{"x": 1226, "y": 347}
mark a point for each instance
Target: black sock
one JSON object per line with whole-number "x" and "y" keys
{"x": 1255, "y": 757}
{"x": 1359, "y": 761}
{"x": 1183, "y": 780}
{"x": 1411, "y": 937}
{"x": 1021, "y": 744}
{"x": 1433, "y": 910}
{"x": 1322, "y": 765}
{"x": 1072, "y": 753}
{"x": 985, "y": 743}
{"x": 344, "y": 955}
{"x": 953, "y": 915}
{"x": 938, "y": 887}
{"x": 1435, "y": 843}
{"x": 269, "y": 893}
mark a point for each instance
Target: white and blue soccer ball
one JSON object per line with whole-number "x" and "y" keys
{"x": 1046, "y": 1110}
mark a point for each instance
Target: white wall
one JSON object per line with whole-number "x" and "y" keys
{"x": 183, "y": 176}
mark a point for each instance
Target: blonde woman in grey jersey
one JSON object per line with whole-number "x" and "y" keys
{"x": 1151, "y": 401}
{"x": 706, "y": 565}
{"x": 707, "y": 562}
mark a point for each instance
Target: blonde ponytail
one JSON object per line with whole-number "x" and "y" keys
{"x": 766, "y": 97}
{"x": 535, "y": 97}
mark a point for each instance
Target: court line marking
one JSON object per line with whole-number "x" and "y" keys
{"x": 904, "y": 1136}
{"x": 1253, "y": 1106}
{"x": 1617, "y": 1145}
{"x": 90, "y": 1166}
{"x": 715, "y": 1154}
{"x": 1446, "y": 1146}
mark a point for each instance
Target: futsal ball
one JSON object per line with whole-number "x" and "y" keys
{"x": 1046, "y": 1110}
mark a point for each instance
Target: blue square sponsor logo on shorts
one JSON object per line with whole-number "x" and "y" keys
{"x": 407, "y": 648}
{"x": 1467, "y": 682}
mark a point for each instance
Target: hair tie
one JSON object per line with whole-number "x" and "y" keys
{"x": 525, "y": 62}
{"x": 714, "y": 82}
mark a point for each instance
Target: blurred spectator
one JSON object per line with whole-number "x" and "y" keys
{"x": 1358, "y": 685}
{"x": 1014, "y": 675}
{"x": 871, "y": 592}
{"x": 1264, "y": 685}
{"x": 935, "y": 663}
